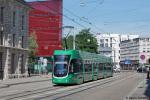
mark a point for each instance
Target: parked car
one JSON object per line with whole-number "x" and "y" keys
{"x": 116, "y": 70}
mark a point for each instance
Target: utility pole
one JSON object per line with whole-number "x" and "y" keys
{"x": 69, "y": 27}
{"x": 74, "y": 38}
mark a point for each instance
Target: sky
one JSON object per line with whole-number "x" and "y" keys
{"x": 108, "y": 16}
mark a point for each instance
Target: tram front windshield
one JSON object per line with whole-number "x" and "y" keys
{"x": 61, "y": 58}
{"x": 61, "y": 65}
{"x": 60, "y": 70}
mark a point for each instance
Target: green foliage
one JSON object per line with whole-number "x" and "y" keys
{"x": 69, "y": 42}
{"x": 85, "y": 41}
{"x": 32, "y": 47}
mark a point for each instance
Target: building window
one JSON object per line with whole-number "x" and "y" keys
{"x": 22, "y": 64}
{"x": 111, "y": 39}
{"x": 1, "y": 56}
{"x": 106, "y": 44}
{"x": 106, "y": 40}
{"x": 12, "y": 63}
{"x": 22, "y": 22}
{"x": 14, "y": 19}
{"x": 13, "y": 40}
{"x": 101, "y": 40}
{"x": 101, "y": 45}
{"x": 2, "y": 15}
{"x": 111, "y": 45}
{"x": 1, "y": 38}
{"x": 22, "y": 41}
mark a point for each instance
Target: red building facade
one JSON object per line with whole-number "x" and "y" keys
{"x": 45, "y": 19}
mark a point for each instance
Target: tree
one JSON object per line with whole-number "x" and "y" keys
{"x": 32, "y": 47}
{"x": 85, "y": 41}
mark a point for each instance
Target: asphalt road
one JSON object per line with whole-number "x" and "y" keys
{"x": 117, "y": 90}
{"x": 118, "y": 87}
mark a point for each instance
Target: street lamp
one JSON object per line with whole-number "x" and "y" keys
{"x": 88, "y": 40}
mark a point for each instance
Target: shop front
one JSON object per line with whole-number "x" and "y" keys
{"x": 129, "y": 64}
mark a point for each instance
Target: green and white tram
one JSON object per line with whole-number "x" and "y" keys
{"x": 77, "y": 67}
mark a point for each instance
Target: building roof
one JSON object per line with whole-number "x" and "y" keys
{"x": 135, "y": 39}
{"x": 50, "y": 6}
{"x": 24, "y": 3}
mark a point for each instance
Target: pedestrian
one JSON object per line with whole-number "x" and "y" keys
{"x": 29, "y": 71}
{"x": 148, "y": 72}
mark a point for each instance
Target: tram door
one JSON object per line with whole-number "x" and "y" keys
{"x": 1, "y": 67}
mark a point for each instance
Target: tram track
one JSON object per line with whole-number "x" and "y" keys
{"x": 59, "y": 93}
{"x": 30, "y": 92}
{"x": 83, "y": 88}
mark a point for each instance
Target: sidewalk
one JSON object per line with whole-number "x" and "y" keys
{"x": 141, "y": 92}
{"x": 17, "y": 81}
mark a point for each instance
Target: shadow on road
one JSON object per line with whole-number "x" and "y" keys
{"x": 147, "y": 91}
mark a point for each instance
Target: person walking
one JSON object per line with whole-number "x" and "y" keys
{"x": 148, "y": 72}
{"x": 29, "y": 71}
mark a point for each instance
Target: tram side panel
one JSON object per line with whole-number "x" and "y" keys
{"x": 94, "y": 71}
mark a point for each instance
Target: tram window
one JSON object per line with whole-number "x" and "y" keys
{"x": 95, "y": 67}
{"x": 60, "y": 70}
{"x": 90, "y": 67}
{"x": 107, "y": 64}
{"x": 100, "y": 66}
{"x": 86, "y": 67}
{"x": 71, "y": 67}
{"x": 81, "y": 67}
{"x": 76, "y": 65}
{"x": 108, "y": 68}
{"x": 62, "y": 57}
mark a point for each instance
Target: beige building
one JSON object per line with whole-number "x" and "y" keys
{"x": 134, "y": 53}
{"x": 13, "y": 38}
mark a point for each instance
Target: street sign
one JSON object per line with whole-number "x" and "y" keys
{"x": 142, "y": 57}
{"x": 127, "y": 61}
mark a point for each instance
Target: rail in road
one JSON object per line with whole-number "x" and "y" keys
{"x": 67, "y": 92}
{"x": 57, "y": 92}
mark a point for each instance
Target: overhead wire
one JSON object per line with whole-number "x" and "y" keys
{"x": 82, "y": 19}
{"x": 71, "y": 19}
